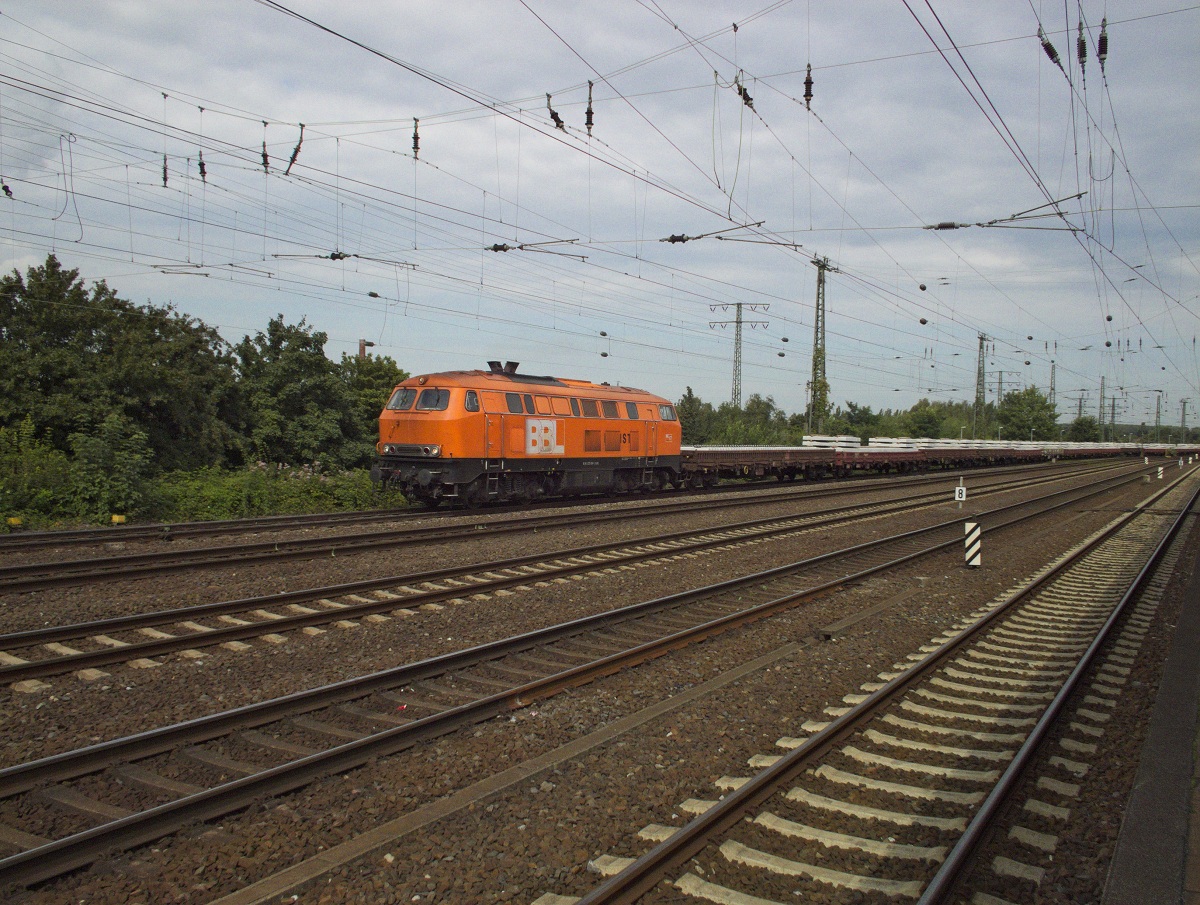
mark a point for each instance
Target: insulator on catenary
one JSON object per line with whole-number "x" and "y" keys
{"x": 203, "y": 171}
{"x": 295, "y": 151}
{"x": 743, "y": 93}
{"x": 164, "y": 171}
{"x": 1050, "y": 51}
{"x": 587, "y": 120}
{"x": 416, "y": 140}
{"x": 1081, "y": 52}
{"x": 266, "y": 159}
{"x": 558, "y": 123}
{"x": 1102, "y": 44}
{"x": 4, "y": 185}
{"x": 808, "y": 83}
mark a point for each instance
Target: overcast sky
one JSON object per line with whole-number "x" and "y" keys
{"x": 1076, "y": 190}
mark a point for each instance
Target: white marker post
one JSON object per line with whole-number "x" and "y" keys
{"x": 974, "y": 546}
{"x": 960, "y": 493}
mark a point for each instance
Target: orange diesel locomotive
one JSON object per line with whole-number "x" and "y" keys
{"x": 474, "y": 436}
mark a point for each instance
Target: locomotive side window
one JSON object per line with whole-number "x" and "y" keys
{"x": 666, "y": 412}
{"x": 610, "y": 408}
{"x": 631, "y": 409}
{"x": 590, "y": 409}
{"x": 432, "y": 400}
{"x": 543, "y": 404}
{"x": 574, "y": 406}
{"x": 514, "y": 403}
{"x": 402, "y": 399}
{"x": 558, "y": 405}
{"x": 529, "y": 409}
{"x": 471, "y": 402}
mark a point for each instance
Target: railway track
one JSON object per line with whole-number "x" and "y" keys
{"x": 86, "y": 648}
{"x": 895, "y": 793}
{"x": 65, "y": 811}
{"x": 171, "y": 531}
{"x": 25, "y": 576}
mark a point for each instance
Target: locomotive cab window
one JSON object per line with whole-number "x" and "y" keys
{"x": 402, "y": 399}
{"x": 432, "y": 400}
{"x": 590, "y": 408}
{"x": 471, "y": 402}
{"x": 666, "y": 412}
{"x": 609, "y": 407}
{"x": 631, "y": 409}
{"x": 529, "y": 409}
{"x": 514, "y": 403}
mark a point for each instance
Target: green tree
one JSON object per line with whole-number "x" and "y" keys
{"x": 1027, "y": 414}
{"x": 35, "y": 478}
{"x": 368, "y": 381}
{"x": 110, "y": 468}
{"x": 1084, "y": 429}
{"x": 924, "y": 419}
{"x": 70, "y": 357}
{"x": 860, "y": 420}
{"x": 696, "y": 419}
{"x": 299, "y": 410}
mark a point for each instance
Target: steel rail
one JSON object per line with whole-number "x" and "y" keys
{"x": 20, "y": 539}
{"x": 26, "y": 577}
{"x": 643, "y": 874}
{"x": 94, "y": 757}
{"x": 82, "y": 848}
{"x": 37, "y": 669}
{"x": 942, "y": 883}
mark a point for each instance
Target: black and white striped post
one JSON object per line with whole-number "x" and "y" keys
{"x": 974, "y": 546}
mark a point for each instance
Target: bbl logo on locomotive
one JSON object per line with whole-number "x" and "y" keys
{"x": 541, "y": 437}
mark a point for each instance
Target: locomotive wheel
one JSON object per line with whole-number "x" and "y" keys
{"x": 473, "y": 495}
{"x": 428, "y": 500}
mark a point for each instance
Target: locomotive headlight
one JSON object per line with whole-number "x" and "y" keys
{"x": 432, "y": 450}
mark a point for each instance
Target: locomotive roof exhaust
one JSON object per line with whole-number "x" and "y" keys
{"x": 510, "y": 367}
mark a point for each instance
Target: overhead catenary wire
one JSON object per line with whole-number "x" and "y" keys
{"x": 312, "y": 177}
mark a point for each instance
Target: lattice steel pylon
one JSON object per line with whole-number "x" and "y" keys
{"x": 819, "y": 386}
{"x": 736, "y": 396}
{"x": 980, "y": 383}
{"x": 1102, "y": 437}
{"x": 736, "y": 392}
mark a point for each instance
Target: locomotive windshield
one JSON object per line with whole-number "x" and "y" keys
{"x": 432, "y": 400}
{"x": 402, "y": 399}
